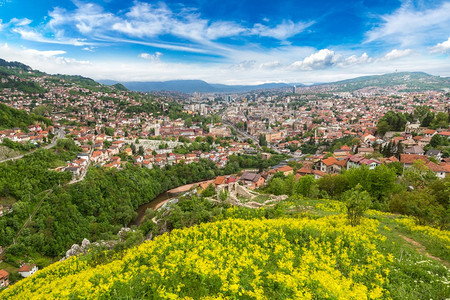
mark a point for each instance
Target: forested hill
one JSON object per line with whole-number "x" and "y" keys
{"x": 20, "y": 77}
{"x": 11, "y": 117}
{"x": 402, "y": 81}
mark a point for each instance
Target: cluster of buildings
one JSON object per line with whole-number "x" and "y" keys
{"x": 36, "y": 134}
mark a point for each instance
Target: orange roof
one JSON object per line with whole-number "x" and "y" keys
{"x": 26, "y": 268}
{"x": 435, "y": 167}
{"x": 284, "y": 169}
{"x": 3, "y": 274}
{"x": 345, "y": 147}
{"x": 411, "y": 158}
{"x": 305, "y": 170}
{"x": 445, "y": 133}
{"x": 219, "y": 180}
{"x": 330, "y": 161}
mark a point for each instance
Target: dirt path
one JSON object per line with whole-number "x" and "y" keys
{"x": 422, "y": 250}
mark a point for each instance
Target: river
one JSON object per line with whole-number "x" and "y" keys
{"x": 161, "y": 199}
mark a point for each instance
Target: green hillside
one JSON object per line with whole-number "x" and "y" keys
{"x": 11, "y": 117}
{"x": 408, "y": 81}
{"x": 307, "y": 252}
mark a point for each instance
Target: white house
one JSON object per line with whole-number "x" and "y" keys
{"x": 27, "y": 270}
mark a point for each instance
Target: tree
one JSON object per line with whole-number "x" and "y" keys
{"x": 420, "y": 204}
{"x": 383, "y": 127}
{"x": 307, "y": 186}
{"x": 188, "y": 122}
{"x": 418, "y": 176}
{"x": 357, "y": 201}
{"x": 420, "y": 112}
{"x": 262, "y": 140}
{"x": 141, "y": 150}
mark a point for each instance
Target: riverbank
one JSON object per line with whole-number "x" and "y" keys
{"x": 163, "y": 198}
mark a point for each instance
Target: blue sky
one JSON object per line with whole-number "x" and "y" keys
{"x": 234, "y": 42}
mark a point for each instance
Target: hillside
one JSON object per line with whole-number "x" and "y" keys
{"x": 404, "y": 81}
{"x": 11, "y": 117}
{"x": 311, "y": 255}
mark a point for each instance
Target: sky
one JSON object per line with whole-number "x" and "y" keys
{"x": 227, "y": 41}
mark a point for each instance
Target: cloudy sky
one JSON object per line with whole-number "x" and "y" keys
{"x": 227, "y": 41}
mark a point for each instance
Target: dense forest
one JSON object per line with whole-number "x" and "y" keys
{"x": 11, "y": 117}
{"x": 95, "y": 208}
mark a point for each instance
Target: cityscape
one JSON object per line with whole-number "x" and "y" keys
{"x": 174, "y": 151}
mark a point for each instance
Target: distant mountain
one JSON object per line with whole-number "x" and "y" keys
{"x": 403, "y": 81}
{"x": 191, "y": 86}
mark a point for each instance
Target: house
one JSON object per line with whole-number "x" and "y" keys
{"x": 220, "y": 180}
{"x": 365, "y": 151}
{"x": 437, "y": 169}
{"x": 27, "y": 270}
{"x": 434, "y": 153}
{"x": 408, "y": 159}
{"x": 332, "y": 165}
{"x": 4, "y": 278}
{"x": 254, "y": 180}
{"x": 414, "y": 150}
{"x": 429, "y": 132}
{"x": 286, "y": 170}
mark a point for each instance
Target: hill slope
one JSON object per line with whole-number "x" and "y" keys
{"x": 297, "y": 258}
{"x": 405, "y": 81}
{"x": 11, "y": 117}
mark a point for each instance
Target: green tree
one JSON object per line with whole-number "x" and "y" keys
{"x": 357, "y": 201}
{"x": 262, "y": 140}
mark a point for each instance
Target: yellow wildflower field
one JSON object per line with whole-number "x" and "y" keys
{"x": 239, "y": 259}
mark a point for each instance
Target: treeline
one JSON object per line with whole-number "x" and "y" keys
{"x": 417, "y": 193}
{"x": 396, "y": 121}
{"x": 95, "y": 208}
{"x": 238, "y": 162}
{"x": 11, "y": 117}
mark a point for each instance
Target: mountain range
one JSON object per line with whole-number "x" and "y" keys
{"x": 403, "y": 81}
{"x": 192, "y": 86}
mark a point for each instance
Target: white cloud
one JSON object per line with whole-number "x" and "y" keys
{"x": 32, "y": 35}
{"x": 443, "y": 47}
{"x": 395, "y": 54}
{"x": 153, "y": 57}
{"x": 320, "y": 60}
{"x": 282, "y": 31}
{"x": 251, "y": 72}
{"x": 409, "y": 26}
{"x": 20, "y": 22}
{"x": 270, "y": 65}
{"x": 1, "y": 25}
{"x": 355, "y": 60}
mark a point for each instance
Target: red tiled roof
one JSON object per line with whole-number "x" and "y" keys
{"x": 284, "y": 169}
{"x": 330, "y": 161}
{"x": 411, "y": 158}
{"x": 26, "y": 268}
{"x": 3, "y": 274}
{"x": 219, "y": 180}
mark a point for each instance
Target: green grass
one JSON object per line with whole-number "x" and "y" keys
{"x": 9, "y": 268}
{"x": 412, "y": 275}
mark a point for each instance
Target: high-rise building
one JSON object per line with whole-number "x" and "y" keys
{"x": 294, "y": 90}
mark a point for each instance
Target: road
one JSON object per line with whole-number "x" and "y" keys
{"x": 59, "y": 135}
{"x": 245, "y": 135}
